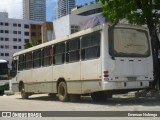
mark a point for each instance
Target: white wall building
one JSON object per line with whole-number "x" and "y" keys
{"x": 67, "y": 25}
{"x": 3, "y": 15}
{"x": 14, "y": 33}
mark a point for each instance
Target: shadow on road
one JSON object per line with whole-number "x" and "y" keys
{"x": 130, "y": 101}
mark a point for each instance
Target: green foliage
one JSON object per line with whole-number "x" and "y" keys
{"x": 30, "y": 44}
{"x": 135, "y": 11}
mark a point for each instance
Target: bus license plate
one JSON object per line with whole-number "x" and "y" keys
{"x": 131, "y": 78}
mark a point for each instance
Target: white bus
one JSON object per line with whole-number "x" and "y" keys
{"x": 4, "y": 80}
{"x": 98, "y": 61}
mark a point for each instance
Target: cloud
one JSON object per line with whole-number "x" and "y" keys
{"x": 13, "y": 7}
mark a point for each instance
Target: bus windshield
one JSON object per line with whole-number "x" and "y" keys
{"x": 3, "y": 69}
{"x": 130, "y": 43}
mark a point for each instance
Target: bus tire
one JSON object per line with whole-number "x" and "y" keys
{"x": 1, "y": 92}
{"x": 24, "y": 95}
{"x": 62, "y": 92}
{"x": 98, "y": 96}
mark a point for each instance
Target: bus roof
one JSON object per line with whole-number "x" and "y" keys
{"x": 74, "y": 35}
{"x": 3, "y": 61}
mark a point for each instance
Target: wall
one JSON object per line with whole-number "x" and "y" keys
{"x": 62, "y": 26}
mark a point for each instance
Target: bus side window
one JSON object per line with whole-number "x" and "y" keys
{"x": 72, "y": 51}
{"x": 90, "y": 46}
{"x": 14, "y": 68}
{"x": 37, "y": 59}
{"x": 21, "y": 63}
{"x": 59, "y": 54}
{"x": 47, "y": 56}
{"x": 29, "y": 60}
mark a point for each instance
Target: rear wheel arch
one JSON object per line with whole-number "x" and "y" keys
{"x": 62, "y": 90}
{"x": 21, "y": 85}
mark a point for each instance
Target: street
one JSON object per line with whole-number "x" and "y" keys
{"x": 41, "y": 102}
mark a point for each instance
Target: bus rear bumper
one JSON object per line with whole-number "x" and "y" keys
{"x": 118, "y": 85}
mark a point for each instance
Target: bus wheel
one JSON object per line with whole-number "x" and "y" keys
{"x": 62, "y": 92}
{"x": 1, "y": 92}
{"x": 98, "y": 96}
{"x": 24, "y": 95}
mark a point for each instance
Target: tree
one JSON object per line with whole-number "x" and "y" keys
{"x": 141, "y": 12}
{"x": 30, "y": 44}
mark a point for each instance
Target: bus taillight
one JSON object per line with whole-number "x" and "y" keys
{"x": 106, "y": 73}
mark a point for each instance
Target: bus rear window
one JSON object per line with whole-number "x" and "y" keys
{"x": 130, "y": 43}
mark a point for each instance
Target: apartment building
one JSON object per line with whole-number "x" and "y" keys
{"x": 34, "y": 10}
{"x": 65, "y": 7}
{"x": 14, "y": 33}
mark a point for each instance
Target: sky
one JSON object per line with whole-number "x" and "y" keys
{"x": 14, "y": 8}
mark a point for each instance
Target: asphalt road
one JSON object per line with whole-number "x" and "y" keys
{"x": 41, "y": 102}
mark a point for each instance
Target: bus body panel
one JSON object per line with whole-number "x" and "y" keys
{"x": 73, "y": 77}
{"x": 91, "y": 75}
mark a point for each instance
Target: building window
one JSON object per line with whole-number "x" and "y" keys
{"x": 6, "y": 54}
{"x": 19, "y": 40}
{"x": 26, "y": 26}
{"x": 74, "y": 28}
{"x": 19, "y": 32}
{"x": 33, "y": 34}
{"x": 26, "y": 33}
{"x": 19, "y": 47}
{"x": 59, "y": 53}
{"x": 1, "y": 23}
{"x": 15, "y": 39}
{"x": 6, "y": 31}
{"x": 26, "y": 40}
{"x": 90, "y": 45}
{"x": 2, "y": 54}
{"x": 14, "y": 32}
{"x": 14, "y": 47}
{"x": 14, "y": 24}
{"x": 19, "y": 25}
{"x": 6, "y": 39}
{"x": 2, "y": 39}
{"x": 2, "y": 46}
{"x": 33, "y": 27}
{"x": 73, "y": 48}
{"x": 6, "y": 24}
{"x": 1, "y": 31}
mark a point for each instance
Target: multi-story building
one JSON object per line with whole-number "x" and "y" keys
{"x": 64, "y": 7}
{"x": 47, "y": 32}
{"x": 34, "y": 10}
{"x": 14, "y": 33}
